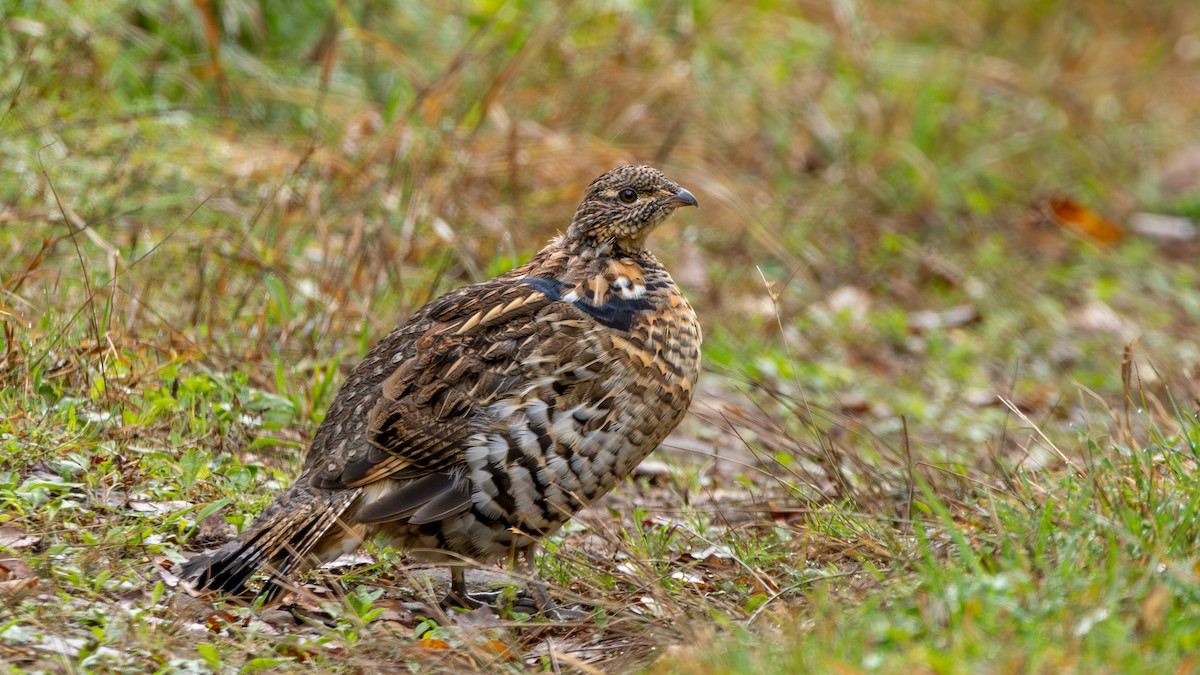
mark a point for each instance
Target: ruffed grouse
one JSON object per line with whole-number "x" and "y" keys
{"x": 497, "y": 411}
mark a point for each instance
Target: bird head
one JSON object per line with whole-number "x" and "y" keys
{"x": 623, "y": 206}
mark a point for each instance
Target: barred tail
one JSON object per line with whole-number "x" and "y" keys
{"x": 289, "y": 537}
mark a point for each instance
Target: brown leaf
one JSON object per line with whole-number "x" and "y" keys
{"x": 434, "y": 644}
{"x": 15, "y": 538}
{"x": 759, "y": 582}
{"x": 1085, "y": 221}
{"x": 18, "y": 586}
{"x": 500, "y": 649}
{"x": 1181, "y": 172}
{"x": 169, "y": 578}
{"x": 279, "y": 618}
{"x": 1154, "y": 608}
{"x": 479, "y": 618}
{"x": 14, "y": 568}
{"x": 397, "y": 627}
{"x": 394, "y": 611}
{"x": 219, "y": 619}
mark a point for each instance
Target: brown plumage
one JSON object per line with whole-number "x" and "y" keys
{"x": 497, "y": 411}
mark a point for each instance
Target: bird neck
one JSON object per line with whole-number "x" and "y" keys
{"x": 591, "y": 247}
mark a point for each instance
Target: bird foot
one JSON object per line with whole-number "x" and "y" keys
{"x": 565, "y": 614}
{"x": 470, "y": 601}
{"x": 524, "y": 602}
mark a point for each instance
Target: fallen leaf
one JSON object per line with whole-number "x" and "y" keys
{"x": 759, "y": 582}
{"x": 850, "y": 301}
{"x": 219, "y": 619}
{"x": 1098, "y": 317}
{"x": 926, "y": 320}
{"x": 1085, "y": 221}
{"x": 690, "y": 578}
{"x": 435, "y": 644}
{"x": 479, "y": 618}
{"x": 653, "y": 606}
{"x": 1187, "y": 665}
{"x": 1181, "y": 172}
{"x": 15, "y": 538}
{"x": 278, "y": 618}
{"x": 169, "y": 578}
{"x": 714, "y": 551}
{"x": 18, "y": 586}
{"x": 142, "y": 506}
{"x": 982, "y": 398}
{"x": 853, "y": 403}
{"x": 1154, "y": 610}
{"x": 1162, "y": 227}
{"x": 14, "y": 568}
{"x": 397, "y": 627}
{"x": 500, "y": 649}
{"x": 69, "y": 647}
{"x": 654, "y": 469}
{"x": 355, "y": 559}
{"x": 394, "y": 611}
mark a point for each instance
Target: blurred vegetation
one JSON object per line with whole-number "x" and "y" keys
{"x": 962, "y": 370}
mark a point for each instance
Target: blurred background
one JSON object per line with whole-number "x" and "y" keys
{"x": 923, "y": 224}
{"x": 903, "y": 205}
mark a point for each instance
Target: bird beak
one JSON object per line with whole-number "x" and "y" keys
{"x": 682, "y": 198}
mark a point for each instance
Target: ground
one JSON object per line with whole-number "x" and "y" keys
{"x": 945, "y": 261}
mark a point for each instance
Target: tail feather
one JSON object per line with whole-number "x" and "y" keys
{"x": 280, "y": 542}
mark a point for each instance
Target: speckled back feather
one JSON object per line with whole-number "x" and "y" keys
{"x": 500, "y": 409}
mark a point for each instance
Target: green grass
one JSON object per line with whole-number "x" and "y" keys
{"x": 1093, "y": 571}
{"x": 938, "y": 431}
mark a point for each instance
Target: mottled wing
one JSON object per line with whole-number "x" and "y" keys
{"x": 421, "y": 415}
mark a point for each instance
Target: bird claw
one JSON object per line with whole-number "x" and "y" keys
{"x": 524, "y": 603}
{"x": 565, "y": 614}
{"x": 470, "y": 601}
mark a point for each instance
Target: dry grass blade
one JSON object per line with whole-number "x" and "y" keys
{"x": 949, "y": 416}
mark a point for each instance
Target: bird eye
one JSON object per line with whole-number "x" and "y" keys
{"x": 627, "y": 195}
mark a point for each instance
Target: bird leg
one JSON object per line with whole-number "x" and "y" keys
{"x": 537, "y": 590}
{"x": 535, "y": 599}
{"x": 543, "y": 604}
{"x": 459, "y": 597}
